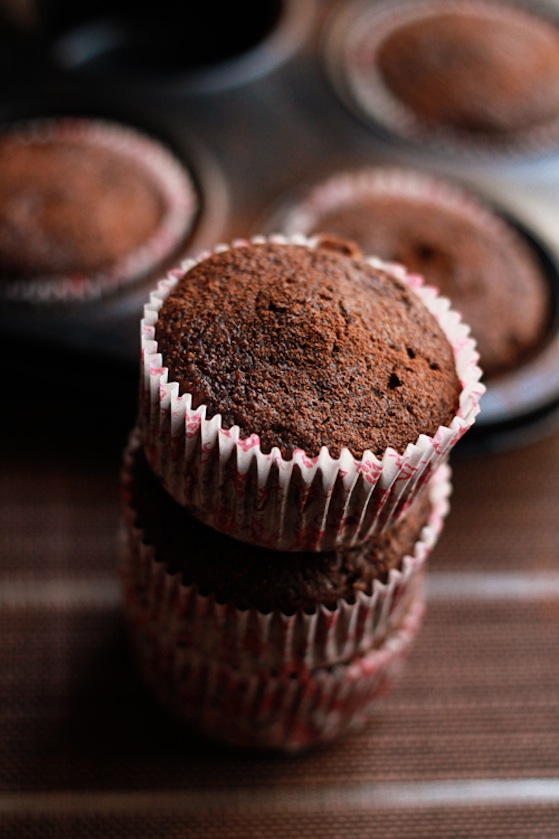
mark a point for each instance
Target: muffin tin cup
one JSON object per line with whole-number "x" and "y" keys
{"x": 151, "y": 61}
{"x": 305, "y": 503}
{"x": 169, "y": 178}
{"x": 351, "y": 46}
{"x": 249, "y": 639}
{"x": 256, "y": 709}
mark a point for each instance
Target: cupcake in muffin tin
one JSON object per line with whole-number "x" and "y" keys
{"x": 500, "y": 272}
{"x": 87, "y": 206}
{"x": 449, "y": 235}
{"x": 464, "y": 76}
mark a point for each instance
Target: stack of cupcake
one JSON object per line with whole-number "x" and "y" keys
{"x": 286, "y": 482}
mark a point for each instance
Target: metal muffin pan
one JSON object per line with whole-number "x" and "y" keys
{"x": 253, "y": 138}
{"x": 211, "y": 50}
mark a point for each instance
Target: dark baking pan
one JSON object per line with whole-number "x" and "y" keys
{"x": 523, "y": 405}
{"x": 245, "y": 145}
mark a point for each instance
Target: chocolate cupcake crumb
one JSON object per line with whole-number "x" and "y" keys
{"x": 308, "y": 347}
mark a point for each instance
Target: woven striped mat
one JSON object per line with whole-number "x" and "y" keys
{"x": 465, "y": 745}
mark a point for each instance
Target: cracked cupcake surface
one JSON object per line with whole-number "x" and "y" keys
{"x": 308, "y": 347}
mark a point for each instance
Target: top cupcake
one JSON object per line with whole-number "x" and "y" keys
{"x": 479, "y": 72}
{"x": 308, "y": 347}
{"x": 297, "y": 395}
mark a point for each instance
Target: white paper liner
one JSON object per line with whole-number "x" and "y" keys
{"x": 351, "y": 46}
{"x": 259, "y": 710}
{"x": 343, "y": 189}
{"x": 278, "y": 642}
{"x": 171, "y": 180}
{"x": 305, "y": 503}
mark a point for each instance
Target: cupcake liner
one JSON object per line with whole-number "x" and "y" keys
{"x": 250, "y": 639}
{"x": 169, "y": 177}
{"x": 305, "y": 503}
{"x": 344, "y": 188}
{"x": 350, "y": 54}
{"x": 260, "y": 710}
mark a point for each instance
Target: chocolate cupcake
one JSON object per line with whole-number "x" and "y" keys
{"x": 261, "y": 648}
{"x": 297, "y": 395}
{"x": 254, "y": 608}
{"x": 256, "y": 709}
{"x": 453, "y": 238}
{"x": 464, "y": 74}
{"x": 85, "y": 207}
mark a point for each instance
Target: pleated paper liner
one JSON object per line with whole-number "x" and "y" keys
{"x": 304, "y": 503}
{"x": 247, "y": 638}
{"x": 257, "y": 710}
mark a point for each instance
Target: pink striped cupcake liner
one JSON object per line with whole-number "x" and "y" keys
{"x": 304, "y": 503}
{"x": 256, "y": 709}
{"x": 249, "y": 639}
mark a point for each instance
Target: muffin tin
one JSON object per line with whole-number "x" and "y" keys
{"x": 251, "y": 127}
{"x": 227, "y": 47}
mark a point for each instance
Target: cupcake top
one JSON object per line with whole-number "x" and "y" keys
{"x": 253, "y": 577}
{"x": 454, "y": 240}
{"x": 308, "y": 347}
{"x": 479, "y": 72}
{"x": 86, "y": 205}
